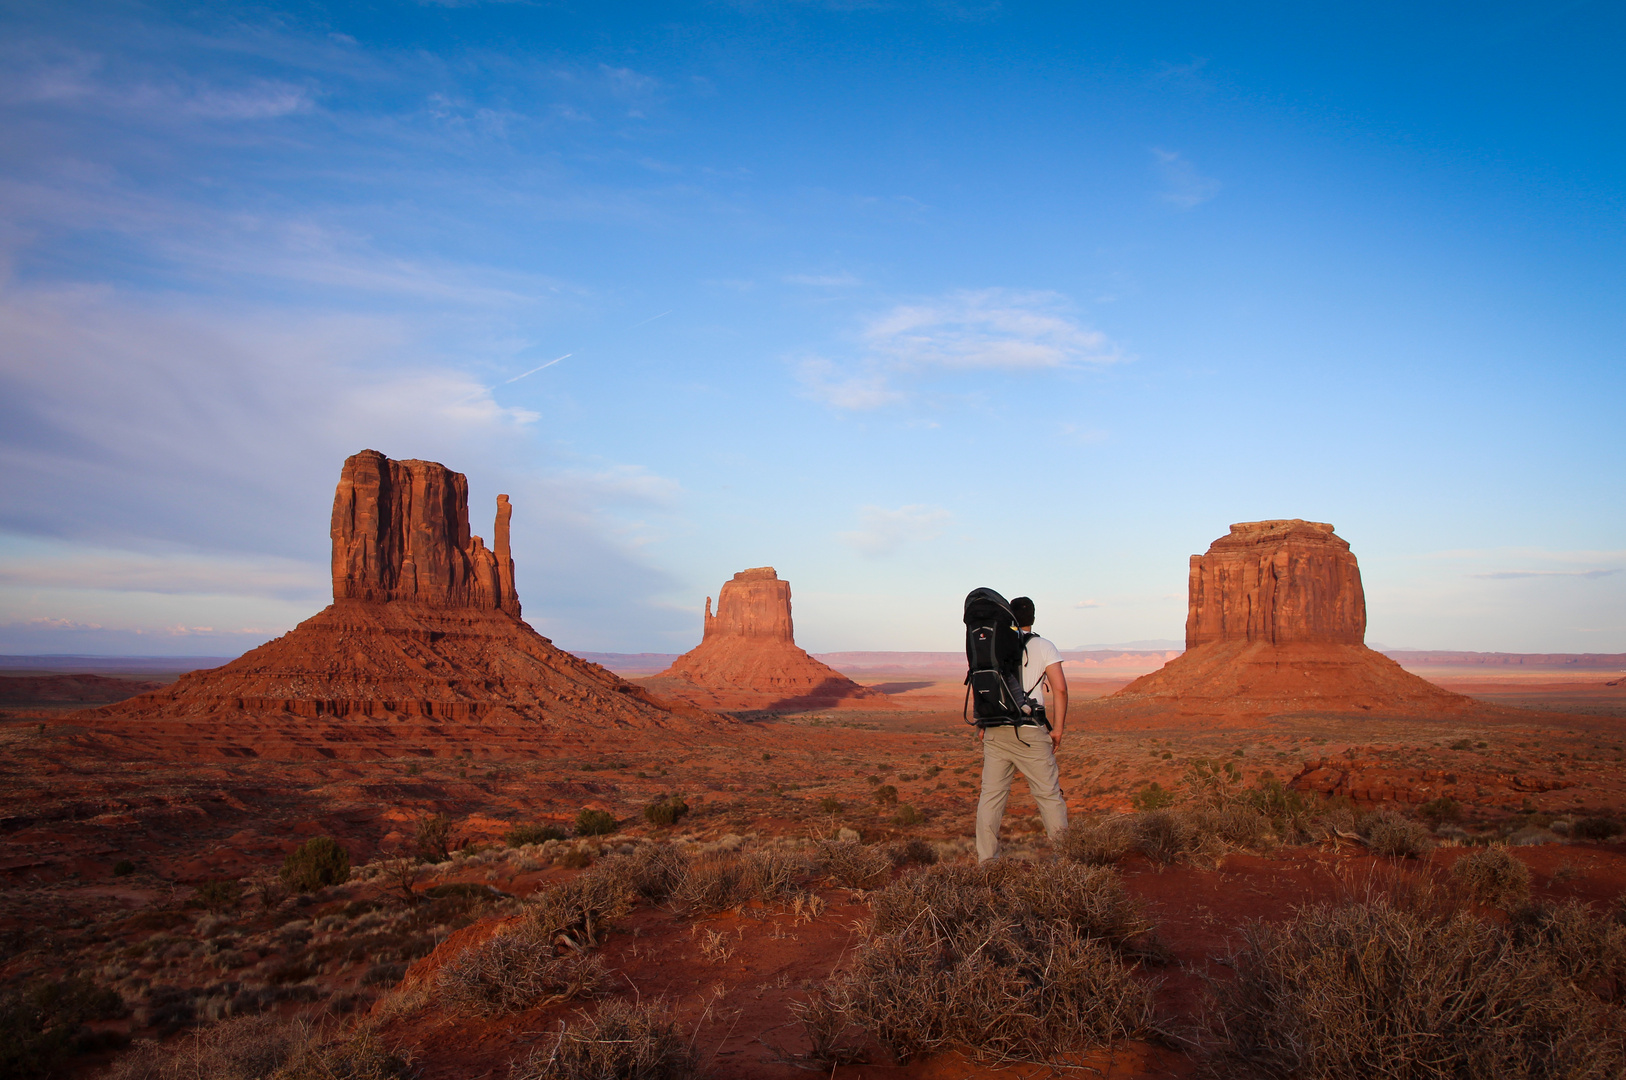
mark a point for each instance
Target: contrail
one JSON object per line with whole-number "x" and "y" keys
{"x": 534, "y": 370}
{"x": 651, "y": 319}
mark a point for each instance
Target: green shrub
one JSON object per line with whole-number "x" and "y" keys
{"x": 520, "y": 835}
{"x": 831, "y": 805}
{"x": 907, "y": 815}
{"x": 574, "y": 859}
{"x": 1463, "y": 744}
{"x": 123, "y": 868}
{"x": 434, "y": 838}
{"x": 595, "y": 823}
{"x": 665, "y": 811}
{"x": 316, "y": 863}
{"x": 1595, "y": 828}
{"x": 886, "y": 795}
{"x": 1152, "y": 797}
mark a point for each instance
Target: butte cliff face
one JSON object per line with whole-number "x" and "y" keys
{"x": 748, "y": 658}
{"x": 401, "y": 532}
{"x": 1276, "y": 622}
{"x": 424, "y": 628}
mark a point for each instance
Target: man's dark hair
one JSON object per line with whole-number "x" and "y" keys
{"x": 1022, "y": 608}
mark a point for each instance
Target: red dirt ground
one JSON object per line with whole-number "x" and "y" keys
{"x": 79, "y": 793}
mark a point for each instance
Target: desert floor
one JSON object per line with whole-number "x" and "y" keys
{"x": 186, "y": 805}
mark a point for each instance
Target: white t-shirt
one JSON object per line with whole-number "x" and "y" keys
{"x": 1038, "y": 656}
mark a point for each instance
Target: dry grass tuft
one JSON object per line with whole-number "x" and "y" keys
{"x": 263, "y": 1048}
{"x": 1010, "y": 961}
{"x": 577, "y": 912}
{"x": 1493, "y": 877}
{"x": 1388, "y": 833}
{"x": 1372, "y": 990}
{"x": 516, "y": 969}
{"x": 852, "y": 865}
{"x": 623, "y": 1041}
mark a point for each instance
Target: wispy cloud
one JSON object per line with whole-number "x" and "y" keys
{"x": 1183, "y": 186}
{"x": 1001, "y": 330}
{"x": 883, "y": 532}
{"x": 191, "y": 573}
{"x": 1508, "y": 575}
{"x": 1088, "y": 604}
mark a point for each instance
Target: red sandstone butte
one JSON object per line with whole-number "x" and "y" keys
{"x": 748, "y": 658}
{"x": 1276, "y": 622}
{"x": 424, "y": 626}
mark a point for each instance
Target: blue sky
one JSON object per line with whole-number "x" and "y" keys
{"x": 902, "y": 299}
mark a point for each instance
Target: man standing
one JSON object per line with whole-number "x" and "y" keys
{"x": 1024, "y": 746}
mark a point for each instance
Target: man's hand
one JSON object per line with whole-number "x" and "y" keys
{"x": 1058, "y": 702}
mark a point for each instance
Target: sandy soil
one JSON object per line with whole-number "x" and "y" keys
{"x": 78, "y": 794}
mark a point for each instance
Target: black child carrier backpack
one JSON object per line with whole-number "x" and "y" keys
{"x": 993, "y": 656}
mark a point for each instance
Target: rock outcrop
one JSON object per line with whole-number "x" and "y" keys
{"x": 1276, "y": 623}
{"x": 1276, "y": 582}
{"x": 748, "y": 658}
{"x": 424, "y": 627}
{"x": 401, "y": 532}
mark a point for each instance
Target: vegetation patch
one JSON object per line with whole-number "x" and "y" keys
{"x": 315, "y": 864}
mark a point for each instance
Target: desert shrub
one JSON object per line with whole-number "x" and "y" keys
{"x": 1227, "y": 825}
{"x": 1493, "y": 877}
{"x": 851, "y": 864}
{"x": 886, "y": 795}
{"x": 516, "y": 969}
{"x": 772, "y": 875}
{"x": 652, "y": 871}
{"x": 1463, "y": 744}
{"x": 1152, "y": 797}
{"x": 520, "y": 835}
{"x": 578, "y": 911}
{"x": 1595, "y": 828}
{"x": 264, "y": 1048}
{"x": 716, "y": 881}
{"x": 831, "y": 805}
{"x": 219, "y": 894}
{"x": 574, "y": 859}
{"x": 1388, "y": 833}
{"x": 1164, "y": 835}
{"x": 1006, "y": 961}
{"x": 1369, "y": 989}
{"x": 666, "y": 811}
{"x": 1589, "y": 950}
{"x": 1441, "y": 811}
{"x": 43, "y": 1023}
{"x": 915, "y": 852}
{"x": 123, "y": 868}
{"x": 434, "y": 838}
{"x": 907, "y": 815}
{"x": 318, "y": 862}
{"x": 595, "y": 823}
{"x": 1098, "y": 842}
{"x": 622, "y": 1041}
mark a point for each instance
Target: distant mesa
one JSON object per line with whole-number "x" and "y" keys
{"x": 748, "y": 658}
{"x": 424, "y": 626}
{"x": 1275, "y": 623}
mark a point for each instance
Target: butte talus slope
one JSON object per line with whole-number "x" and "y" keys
{"x": 424, "y": 626}
{"x": 748, "y": 658}
{"x": 1276, "y": 623}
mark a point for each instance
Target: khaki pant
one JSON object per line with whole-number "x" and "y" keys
{"x": 1005, "y": 750}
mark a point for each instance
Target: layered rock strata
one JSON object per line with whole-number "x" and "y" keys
{"x": 748, "y": 658}
{"x": 424, "y": 627}
{"x": 1276, "y": 622}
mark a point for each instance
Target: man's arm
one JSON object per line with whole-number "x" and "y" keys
{"x": 1057, "y": 713}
